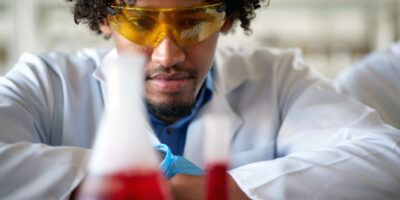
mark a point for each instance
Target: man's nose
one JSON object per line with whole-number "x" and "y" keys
{"x": 167, "y": 53}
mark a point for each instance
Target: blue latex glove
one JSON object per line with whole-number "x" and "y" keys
{"x": 172, "y": 164}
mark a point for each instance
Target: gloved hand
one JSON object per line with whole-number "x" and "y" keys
{"x": 172, "y": 164}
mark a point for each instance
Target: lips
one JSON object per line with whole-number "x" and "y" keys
{"x": 169, "y": 83}
{"x": 173, "y": 76}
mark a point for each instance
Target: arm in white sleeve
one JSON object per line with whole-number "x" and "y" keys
{"x": 375, "y": 81}
{"x": 37, "y": 171}
{"x": 328, "y": 146}
{"x": 31, "y": 166}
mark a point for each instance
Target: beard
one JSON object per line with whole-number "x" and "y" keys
{"x": 174, "y": 109}
{"x": 174, "y": 106}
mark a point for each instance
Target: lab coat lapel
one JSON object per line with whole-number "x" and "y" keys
{"x": 230, "y": 72}
{"x": 195, "y": 134}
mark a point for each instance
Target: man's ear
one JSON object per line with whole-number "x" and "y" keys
{"x": 227, "y": 25}
{"x": 105, "y": 29}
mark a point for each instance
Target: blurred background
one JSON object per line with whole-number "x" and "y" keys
{"x": 333, "y": 34}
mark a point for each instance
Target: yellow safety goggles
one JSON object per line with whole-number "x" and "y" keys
{"x": 149, "y": 26}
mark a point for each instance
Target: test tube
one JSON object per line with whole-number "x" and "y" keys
{"x": 216, "y": 153}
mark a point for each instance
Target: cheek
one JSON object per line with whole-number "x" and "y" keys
{"x": 202, "y": 54}
{"x": 125, "y": 46}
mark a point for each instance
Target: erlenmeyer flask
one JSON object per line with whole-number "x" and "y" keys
{"x": 124, "y": 164}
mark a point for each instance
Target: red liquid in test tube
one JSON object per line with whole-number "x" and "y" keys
{"x": 216, "y": 150}
{"x": 216, "y": 181}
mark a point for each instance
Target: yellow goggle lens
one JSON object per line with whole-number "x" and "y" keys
{"x": 149, "y": 26}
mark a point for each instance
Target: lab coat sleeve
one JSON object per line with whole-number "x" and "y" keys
{"x": 31, "y": 165}
{"x": 328, "y": 147}
{"x": 375, "y": 81}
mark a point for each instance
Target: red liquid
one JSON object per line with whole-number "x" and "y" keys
{"x": 217, "y": 182}
{"x": 123, "y": 186}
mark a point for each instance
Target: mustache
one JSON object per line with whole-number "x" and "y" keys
{"x": 160, "y": 70}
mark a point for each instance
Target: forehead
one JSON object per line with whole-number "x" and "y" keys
{"x": 168, "y": 3}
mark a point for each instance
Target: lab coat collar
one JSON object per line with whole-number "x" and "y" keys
{"x": 99, "y": 73}
{"x": 216, "y": 110}
{"x": 230, "y": 71}
{"x": 236, "y": 64}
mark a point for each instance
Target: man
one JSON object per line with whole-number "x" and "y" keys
{"x": 375, "y": 82}
{"x": 292, "y": 136}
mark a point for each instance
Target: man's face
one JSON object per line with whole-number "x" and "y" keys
{"x": 173, "y": 74}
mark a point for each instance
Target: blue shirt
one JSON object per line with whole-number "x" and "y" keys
{"x": 174, "y": 135}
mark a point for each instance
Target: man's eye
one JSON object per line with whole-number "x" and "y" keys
{"x": 190, "y": 22}
{"x": 143, "y": 23}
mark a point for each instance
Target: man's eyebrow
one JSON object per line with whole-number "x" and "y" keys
{"x": 129, "y": 2}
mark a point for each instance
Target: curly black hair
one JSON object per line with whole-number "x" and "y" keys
{"x": 94, "y": 12}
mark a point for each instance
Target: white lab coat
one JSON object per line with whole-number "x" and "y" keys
{"x": 375, "y": 81}
{"x": 291, "y": 137}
